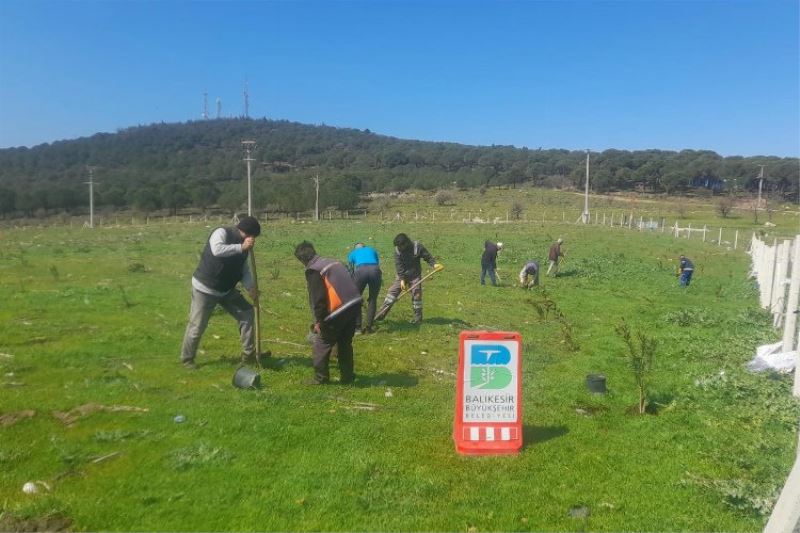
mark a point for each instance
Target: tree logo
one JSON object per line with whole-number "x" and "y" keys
{"x": 489, "y": 366}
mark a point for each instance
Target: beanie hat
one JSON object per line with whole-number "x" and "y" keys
{"x": 250, "y": 226}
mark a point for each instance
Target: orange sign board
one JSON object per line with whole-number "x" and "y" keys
{"x": 488, "y": 418}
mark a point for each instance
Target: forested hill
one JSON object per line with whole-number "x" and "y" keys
{"x": 201, "y": 164}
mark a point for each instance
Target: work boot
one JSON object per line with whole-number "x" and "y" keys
{"x": 417, "y": 317}
{"x": 189, "y": 365}
{"x": 314, "y": 381}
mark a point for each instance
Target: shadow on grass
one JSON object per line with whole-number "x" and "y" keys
{"x": 404, "y": 326}
{"x": 386, "y": 380}
{"x": 537, "y": 434}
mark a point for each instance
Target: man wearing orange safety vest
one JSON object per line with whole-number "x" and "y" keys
{"x": 335, "y": 302}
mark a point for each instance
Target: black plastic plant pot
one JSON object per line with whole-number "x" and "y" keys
{"x": 244, "y": 378}
{"x": 596, "y": 383}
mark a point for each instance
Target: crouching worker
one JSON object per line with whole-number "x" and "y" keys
{"x": 335, "y": 303}
{"x": 223, "y": 264}
{"x": 407, "y": 261}
{"x": 529, "y": 275}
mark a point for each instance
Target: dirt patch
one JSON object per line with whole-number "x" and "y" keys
{"x": 82, "y": 411}
{"x": 9, "y": 419}
{"x": 49, "y": 522}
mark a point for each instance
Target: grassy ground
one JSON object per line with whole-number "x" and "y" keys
{"x": 96, "y": 317}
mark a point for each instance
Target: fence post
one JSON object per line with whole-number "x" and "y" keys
{"x": 779, "y": 284}
{"x": 719, "y": 240}
{"x": 769, "y": 271}
{"x": 641, "y": 222}
{"x": 689, "y": 232}
{"x": 736, "y": 239}
{"x": 604, "y": 219}
{"x": 704, "y": 233}
{"x": 790, "y": 324}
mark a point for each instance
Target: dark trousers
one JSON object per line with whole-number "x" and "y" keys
{"x": 336, "y": 332}
{"x": 490, "y": 268}
{"x": 368, "y": 275}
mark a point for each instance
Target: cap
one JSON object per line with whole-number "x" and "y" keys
{"x": 250, "y": 226}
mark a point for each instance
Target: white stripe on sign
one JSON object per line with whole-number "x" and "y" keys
{"x": 505, "y": 434}
{"x": 474, "y": 433}
{"x": 489, "y": 433}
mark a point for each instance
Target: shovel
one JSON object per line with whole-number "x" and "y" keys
{"x": 385, "y": 308}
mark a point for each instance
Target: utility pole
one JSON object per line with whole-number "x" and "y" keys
{"x": 316, "y": 204}
{"x": 219, "y": 107}
{"x": 248, "y": 152}
{"x": 205, "y": 106}
{"x": 91, "y": 196}
{"x": 585, "y": 215}
{"x": 760, "y": 185}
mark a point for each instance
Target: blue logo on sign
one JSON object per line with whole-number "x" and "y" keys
{"x": 489, "y": 354}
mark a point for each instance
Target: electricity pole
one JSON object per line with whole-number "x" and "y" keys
{"x": 91, "y": 196}
{"x": 316, "y": 204}
{"x": 248, "y": 150}
{"x": 760, "y": 184}
{"x": 585, "y": 215}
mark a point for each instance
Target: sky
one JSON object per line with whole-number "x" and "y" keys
{"x": 720, "y": 75}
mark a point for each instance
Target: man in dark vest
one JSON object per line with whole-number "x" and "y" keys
{"x": 408, "y": 256}
{"x": 335, "y": 303}
{"x": 223, "y": 264}
{"x": 685, "y": 270}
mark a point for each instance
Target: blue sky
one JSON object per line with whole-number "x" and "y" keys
{"x": 717, "y": 75}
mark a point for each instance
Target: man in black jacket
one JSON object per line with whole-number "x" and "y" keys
{"x": 223, "y": 264}
{"x": 335, "y": 303}
{"x": 407, "y": 256}
{"x": 489, "y": 261}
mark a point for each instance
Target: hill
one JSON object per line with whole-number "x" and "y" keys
{"x": 169, "y": 166}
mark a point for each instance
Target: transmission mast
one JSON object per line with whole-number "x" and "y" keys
{"x": 248, "y": 152}
{"x": 246, "y": 100}
{"x": 219, "y": 107}
{"x": 91, "y": 195}
{"x": 205, "y": 106}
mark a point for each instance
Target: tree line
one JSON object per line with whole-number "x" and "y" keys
{"x": 200, "y": 164}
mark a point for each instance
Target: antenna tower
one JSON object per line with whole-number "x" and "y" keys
{"x": 246, "y": 100}
{"x": 205, "y": 106}
{"x": 219, "y": 107}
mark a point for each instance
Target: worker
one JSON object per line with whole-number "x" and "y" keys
{"x": 489, "y": 261}
{"x": 407, "y": 261}
{"x": 553, "y": 256}
{"x": 335, "y": 302}
{"x": 685, "y": 269}
{"x": 223, "y": 264}
{"x": 529, "y": 275}
{"x": 365, "y": 264}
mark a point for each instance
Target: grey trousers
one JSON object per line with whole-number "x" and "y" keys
{"x": 416, "y": 296}
{"x": 203, "y": 305}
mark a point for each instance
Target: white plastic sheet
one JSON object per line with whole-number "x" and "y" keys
{"x": 770, "y": 357}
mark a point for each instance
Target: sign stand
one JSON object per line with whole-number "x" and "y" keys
{"x": 488, "y": 418}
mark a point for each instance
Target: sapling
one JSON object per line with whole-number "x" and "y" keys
{"x": 641, "y": 351}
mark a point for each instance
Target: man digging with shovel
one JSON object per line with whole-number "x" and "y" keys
{"x": 223, "y": 264}
{"x": 407, "y": 261}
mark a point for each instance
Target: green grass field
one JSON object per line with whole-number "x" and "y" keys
{"x": 97, "y": 317}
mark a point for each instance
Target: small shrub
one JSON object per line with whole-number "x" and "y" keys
{"x": 443, "y": 198}
{"x": 641, "y": 351}
{"x": 198, "y": 455}
{"x": 724, "y": 207}
{"x": 137, "y": 267}
{"x": 516, "y": 210}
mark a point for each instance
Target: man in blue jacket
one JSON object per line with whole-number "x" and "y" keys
{"x": 686, "y": 268}
{"x": 364, "y": 262}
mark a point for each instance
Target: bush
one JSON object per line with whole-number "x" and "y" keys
{"x": 443, "y": 198}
